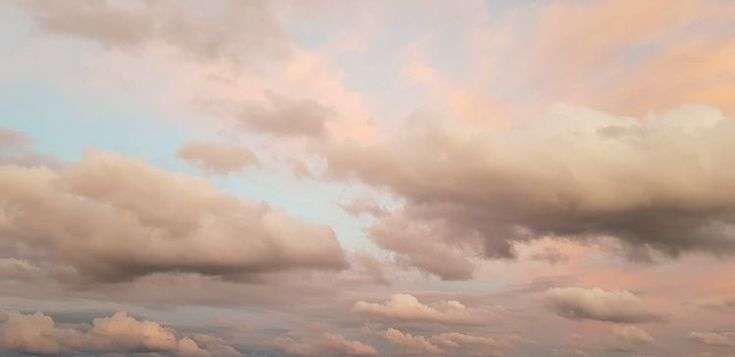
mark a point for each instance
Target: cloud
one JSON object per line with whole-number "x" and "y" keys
{"x": 363, "y": 205}
{"x": 12, "y": 139}
{"x": 629, "y": 338}
{"x": 404, "y": 307}
{"x": 596, "y": 304}
{"x": 216, "y": 157}
{"x": 486, "y": 345}
{"x": 550, "y": 255}
{"x": 322, "y": 344}
{"x": 285, "y": 116}
{"x": 229, "y": 30}
{"x": 126, "y": 219}
{"x": 724, "y": 338}
{"x": 660, "y": 182}
{"x": 119, "y": 333}
{"x": 419, "y": 343}
{"x": 12, "y": 268}
{"x": 423, "y": 245}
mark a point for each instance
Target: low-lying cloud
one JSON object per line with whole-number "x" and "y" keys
{"x": 596, "y": 304}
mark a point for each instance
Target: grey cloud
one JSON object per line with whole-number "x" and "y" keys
{"x": 712, "y": 338}
{"x": 550, "y": 255}
{"x": 126, "y": 219}
{"x": 220, "y": 29}
{"x": 663, "y": 183}
{"x": 597, "y": 304}
{"x": 286, "y": 116}
{"x": 216, "y": 157}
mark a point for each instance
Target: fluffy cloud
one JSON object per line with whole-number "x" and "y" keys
{"x": 597, "y": 304}
{"x": 120, "y": 333}
{"x": 661, "y": 182}
{"x": 419, "y": 343}
{"x": 215, "y": 157}
{"x": 724, "y": 338}
{"x": 322, "y": 344}
{"x": 126, "y": 219}
{"x": 630, "y": 337}
{"x": 404, "y": 307}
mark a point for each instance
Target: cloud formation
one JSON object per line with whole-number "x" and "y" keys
{"x": 216, "y": 157}
{"x": 723, "y": 338}
{"x": 662, "y": 182}
{"x": 407, "y": 308}
{"x": 38, "y": 334}
{"x": 108, "y": 206}
{"x": 322, "y": 344}
{"x": 628, "y": 338}
{"x": 596, "y": 304}
{"x": 419, "y": 343}
{"x": 285, "y": 116}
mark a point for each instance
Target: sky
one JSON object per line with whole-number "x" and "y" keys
{"x": 367, "y": 178}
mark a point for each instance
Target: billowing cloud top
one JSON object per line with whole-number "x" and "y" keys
{"x": 126, "y": 219}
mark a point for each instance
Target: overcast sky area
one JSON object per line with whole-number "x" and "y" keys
{"x": 367, "y": 178}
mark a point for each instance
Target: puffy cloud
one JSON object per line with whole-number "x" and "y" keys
{"x": 216, "y": 157}
{"x": 36, "y": 334}
{"x": 630, "y": 337}
{"x": 126, "y": 219}
{"x": 120, "y": 333}
{"x": 597, "y": 304}
{"x": 322, "y": 344}
{"x": 363, "y": 205}
{"x": 724, "y": 338}
{"x": 661, "y": 182}
{"x": 404, "y": 307}
{"x": 420, "y": 343}
{"x": 285, "y": 116}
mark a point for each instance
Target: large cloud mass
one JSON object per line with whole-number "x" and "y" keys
{"x": 113, "y": 218}
{"x": 663, "y": 182}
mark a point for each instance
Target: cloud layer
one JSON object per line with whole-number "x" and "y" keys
{"x": 107, "y": 207}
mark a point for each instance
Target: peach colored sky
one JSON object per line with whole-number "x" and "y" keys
{"x": 354, "y": 178}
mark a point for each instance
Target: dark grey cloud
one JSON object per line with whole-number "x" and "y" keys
{"x": 662, "y": 183}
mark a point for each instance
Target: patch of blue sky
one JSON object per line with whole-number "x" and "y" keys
{"x": 64, "y": 125}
